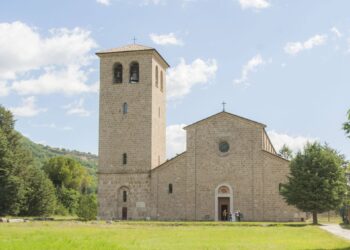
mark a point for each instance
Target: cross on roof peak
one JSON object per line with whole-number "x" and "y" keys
{"x": 223, "y": 106}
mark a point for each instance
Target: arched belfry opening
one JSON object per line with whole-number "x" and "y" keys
{"x": 117, "y": 73}
{"x": 134, "y": 72}
{"x": 223, "y": 202}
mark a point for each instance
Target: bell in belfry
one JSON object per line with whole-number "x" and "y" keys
{"x": 134, "y": 77}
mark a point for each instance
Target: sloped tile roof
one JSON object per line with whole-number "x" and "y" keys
{"x": 129, "y": 47}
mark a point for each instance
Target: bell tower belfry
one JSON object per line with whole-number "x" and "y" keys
{"x": 132, "y": 124}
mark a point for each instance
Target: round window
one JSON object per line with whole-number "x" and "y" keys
{"x": 224, "y": 147}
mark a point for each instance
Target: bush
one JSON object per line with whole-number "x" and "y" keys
{"x": 69, "y": 198}
{"x": 41, "y": 197}
{"x": 61, "y": 210}
{"x": 87, "y": 209}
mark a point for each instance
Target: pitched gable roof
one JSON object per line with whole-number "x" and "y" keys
{"x": 224, "y": 113}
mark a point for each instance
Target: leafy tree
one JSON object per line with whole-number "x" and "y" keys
{"x": 87, "y": 209}
{"x": 316, "y": 182}
{"x": 70, "y": 179}
{"x": 286, "y": 152}
{"x": 23, "y": 189}
{"x": 67, "y": 172}
{"x": 41, "y": 196}
{"x": 69, "y": 198}
{"x": 346, "y": 125}
{"x": 13, "y": 162}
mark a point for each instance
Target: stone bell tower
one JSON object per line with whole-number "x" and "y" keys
{"x": 131, "y": 128}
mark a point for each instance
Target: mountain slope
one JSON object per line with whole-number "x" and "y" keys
{"x": 42, "y": 153}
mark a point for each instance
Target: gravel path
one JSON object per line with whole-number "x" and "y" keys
{"x": 336, "y": 230}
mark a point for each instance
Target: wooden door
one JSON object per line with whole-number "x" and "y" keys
{"x": 224, "y": 204}
{"x": 124, "y": 213}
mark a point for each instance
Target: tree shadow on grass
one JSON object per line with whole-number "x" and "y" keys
{"x": 345, "y": 226}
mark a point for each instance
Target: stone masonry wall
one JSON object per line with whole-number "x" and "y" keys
{"x": 274, "y": 207}
{"x": 140, "y": 133}
{"x": 170, "y": 206}
{"x": 208, "y": 167}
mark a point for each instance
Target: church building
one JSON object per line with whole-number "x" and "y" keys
{"x": 230, "y": 163}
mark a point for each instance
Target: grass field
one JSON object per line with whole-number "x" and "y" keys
{"x": 60, "y": 235}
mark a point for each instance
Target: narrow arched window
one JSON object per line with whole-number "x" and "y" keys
{"x": 125, "y": 196}
{"x": 125, "y": 159}
{"x": 117, "y": 73}
{"x": 134, "y": 72}
{"x": 125, "y": 108}
{"x": 170, "y": 188}
{"x": 161, "y": 81}
{"x": 156, "y": 77}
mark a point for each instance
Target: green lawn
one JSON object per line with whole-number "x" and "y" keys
{"x": 165, "y": 235}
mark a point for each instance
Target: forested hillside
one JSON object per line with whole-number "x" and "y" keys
{"x": 41, "y": 153}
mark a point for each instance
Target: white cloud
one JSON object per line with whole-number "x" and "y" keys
{"x": 295, "y": 143}
{"x": 104, "y": 2}
{"x": 77, "y": 108}
{"x": 22, "y": 48}
{"x": 254, "y": 4}
{"x": 166, "y": 39}
{"x": 294, "y": 48}
{"x": 249, "y": 67}
{"x": 4, "y": 89}
{"x": 183, "y": 77}
{"x": 175, "y": 139}
{"x": 35, "y": 64}
{"x": 51, "y": 125}
{"x": 69, "y": 81}
{"x": 28, "y": 108}
{"x": 336, "y": 32}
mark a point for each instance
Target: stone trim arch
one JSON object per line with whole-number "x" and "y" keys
{"x": 219, "y": 195}
{"x": 119, "y": 203}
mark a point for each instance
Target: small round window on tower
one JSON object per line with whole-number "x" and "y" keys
{"x": 224, "y": 147}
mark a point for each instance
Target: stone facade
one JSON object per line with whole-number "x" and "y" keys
{"x": 230, "y": 163}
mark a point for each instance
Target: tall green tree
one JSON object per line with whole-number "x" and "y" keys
{"x": 316, "y": 182}
{"x": 70, "y": 180}
{"x": 67, "y": 172}
{"x": 69, "y": 198}
{"x": 40, "y": 196}
{"x": 23, "y": 189}
{"x": 87, "y": 209}
{"x": 13, "y": 162}
{"x": 286, "y": 152}
{"x": 346, "y": 125}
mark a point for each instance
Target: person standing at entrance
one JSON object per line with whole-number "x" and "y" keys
{"x": 229, "y": 216}
{"x": 224, "y": 215}
{"x": 238, "y": 215}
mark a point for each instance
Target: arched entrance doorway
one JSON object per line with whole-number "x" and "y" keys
{"x": 223, "y": 202}
{"x": 122, "y": 203}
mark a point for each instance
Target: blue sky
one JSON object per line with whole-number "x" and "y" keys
{"x": 282, "y": 63}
